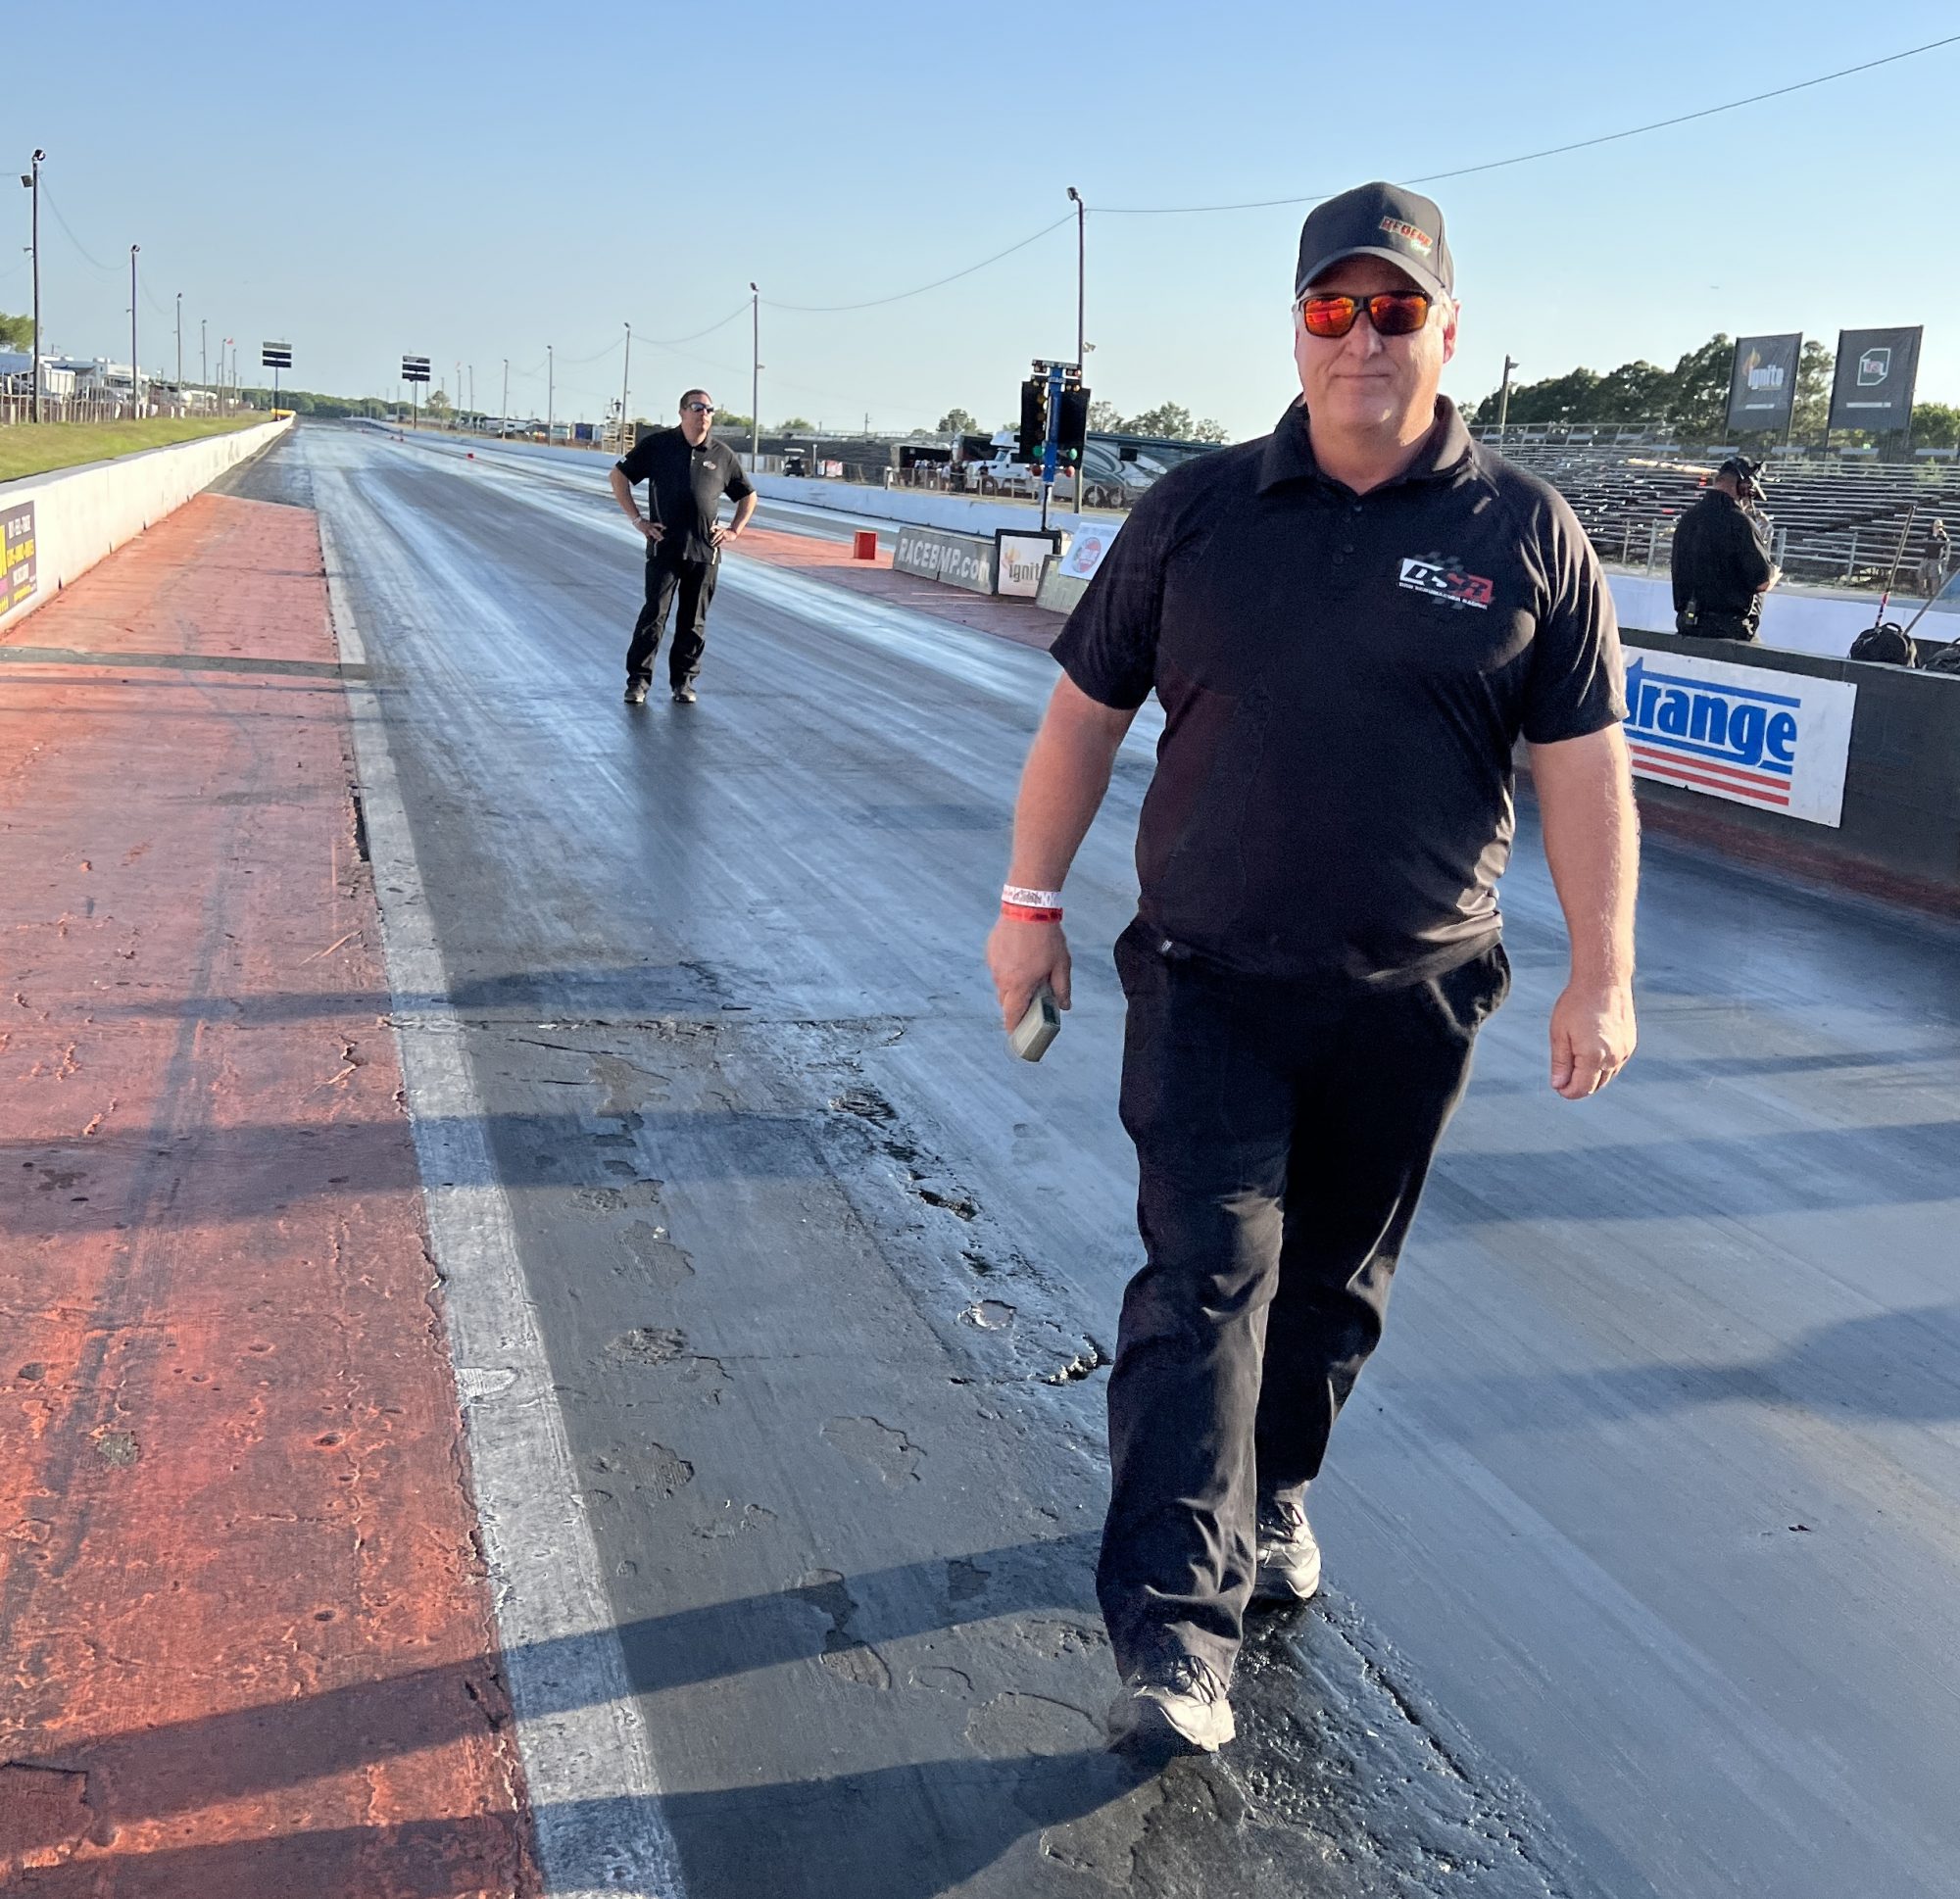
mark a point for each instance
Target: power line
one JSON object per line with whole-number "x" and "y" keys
{"x": 1550, "y": 151}
{"x": 667, "y": 342}
{"x": 107, "y": 269}
{"x": 876, "y": 302}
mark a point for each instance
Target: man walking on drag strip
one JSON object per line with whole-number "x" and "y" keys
{"x": 687, "y": 472}
{"x": 1350, "y": 622}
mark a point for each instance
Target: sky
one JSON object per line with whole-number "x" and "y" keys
{"x": 475, "y": 183}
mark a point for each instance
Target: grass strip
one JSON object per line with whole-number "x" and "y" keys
{"x": 36, "y": 448}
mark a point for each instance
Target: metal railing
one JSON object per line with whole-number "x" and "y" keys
{"x": 99, "y": 408}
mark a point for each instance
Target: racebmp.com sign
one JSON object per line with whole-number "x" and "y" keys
{"x": 954, "y": 559}
{"x": 16, "y": 555}
{"x": 1779, "y": 741}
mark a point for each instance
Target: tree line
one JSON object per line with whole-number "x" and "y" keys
{"x": 1692, "y": 396}
{"x": 1168, "y": 421}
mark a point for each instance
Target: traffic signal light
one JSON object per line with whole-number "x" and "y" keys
{"x": 1032, "y": 437}
{"x": 1072, "y": 428}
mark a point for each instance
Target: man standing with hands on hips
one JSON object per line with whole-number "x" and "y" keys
{"x": 1350, "y": 623}
{"x": 687, "y": 472}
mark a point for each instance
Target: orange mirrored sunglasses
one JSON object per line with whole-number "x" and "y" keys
{"x": 1393, "y": 313}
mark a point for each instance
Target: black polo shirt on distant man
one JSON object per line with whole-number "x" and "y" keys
{"x": 685, "y": 485}
{"x": 1343, "y": 679}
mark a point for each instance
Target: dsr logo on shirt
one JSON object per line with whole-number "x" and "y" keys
{"x": 1442, "y": 577}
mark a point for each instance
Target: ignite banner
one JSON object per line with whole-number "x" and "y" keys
{"x": 1762, "y": 388}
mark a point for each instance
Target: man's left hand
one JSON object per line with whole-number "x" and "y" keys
{"x": 724, "y": 533}
{"x": 1593, "y": 1037}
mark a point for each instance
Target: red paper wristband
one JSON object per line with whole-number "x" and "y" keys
{"x": 1027, "y": 913}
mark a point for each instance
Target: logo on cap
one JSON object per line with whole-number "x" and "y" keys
{"x": 1409, "y": 235}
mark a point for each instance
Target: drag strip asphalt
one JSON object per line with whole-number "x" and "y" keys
{"x": 1641, "y": 1533}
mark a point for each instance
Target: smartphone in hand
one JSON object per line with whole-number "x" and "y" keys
{"x": 1032, "y": 1034}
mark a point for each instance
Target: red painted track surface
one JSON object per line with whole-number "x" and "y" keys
{"x": 247, "y": 1644}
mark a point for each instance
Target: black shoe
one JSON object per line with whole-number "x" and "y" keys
{"x": 1179, "y": 1699}
{"x": 684, "y": 695}
{"x": 636, "y": 691}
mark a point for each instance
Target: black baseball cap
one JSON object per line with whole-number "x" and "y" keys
{"x": 1377, "y": 221}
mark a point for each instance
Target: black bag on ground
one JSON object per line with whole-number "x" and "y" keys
{"x": 1886, "y": 645}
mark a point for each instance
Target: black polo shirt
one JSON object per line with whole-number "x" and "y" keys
{"x": 1343, "y": 678}
{"x": 1720, "y": 562}
{"x": 685, "y": 487}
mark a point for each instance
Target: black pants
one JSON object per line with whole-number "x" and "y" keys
{"x": 1283, "y": 1136}
{"x": 693, "y": 581}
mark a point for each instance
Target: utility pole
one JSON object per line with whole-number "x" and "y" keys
{"x": 755, "y": 379}
{"x": 1081, "y": 347}
{"x": 32, "y": 180}
{"x": 135, "y": 374}
{"x": 503, "y": 418}
{"x": 204, "y": 351}
{"x": 181, "y": 349}
{"x": 1504, "y": 400}
{"x": 626, "y": 379}
{"x": 551, "y": 393}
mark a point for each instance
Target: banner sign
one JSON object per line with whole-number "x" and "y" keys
{"x": 957, "y": 559}
{"x": 1085, "y": 552}
{"x": 1762, "y": 386}
{"x": 1877, "y": 370}
{"x": 1750, "y": 733}
{"x": 16, "y": 555}
{"x": 1020, "y": 557}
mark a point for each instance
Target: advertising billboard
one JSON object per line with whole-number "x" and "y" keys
{"x": 17, "y": 557}
{"x": 1762, "y": 385}
{"x": 954, "y": 559}
{"x": 1779, "y": 741}
{"x": 1877, "y": 370}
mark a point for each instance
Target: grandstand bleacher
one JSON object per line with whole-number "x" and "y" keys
{"x": 1835, "y": 522}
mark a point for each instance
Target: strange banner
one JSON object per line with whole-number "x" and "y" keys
{"x": 1877, "y": 370}
{"x": 1762, "y": 388}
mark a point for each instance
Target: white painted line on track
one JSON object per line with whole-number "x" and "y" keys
{"x": 594, "y": 1796}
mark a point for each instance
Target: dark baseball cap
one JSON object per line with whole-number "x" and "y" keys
{"x": 1377, "y": 221}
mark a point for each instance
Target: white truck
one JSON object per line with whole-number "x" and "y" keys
{"x": 999, "y": 471}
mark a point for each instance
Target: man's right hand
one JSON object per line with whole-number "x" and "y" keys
{"x": 653, "y": 530}
{"x": 1021, "y": 957}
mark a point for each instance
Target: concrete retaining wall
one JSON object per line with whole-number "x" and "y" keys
{"x": 921, "y": 506}
{"x": 82, "y": 514}
{"x": 1902, "y": 817}
{"x": 1794, "y": 621}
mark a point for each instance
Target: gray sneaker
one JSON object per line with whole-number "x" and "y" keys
{"x": 1180, "y": 1699}
{"x": 636, "y": 691}
{"x": 684, "y": 695}
{"x": 1289, "y": 1555}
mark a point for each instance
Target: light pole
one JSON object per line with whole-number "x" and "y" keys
{"x": 756, "y": 380}
{"x": 625, "y": 378}
{"x": 551, "y": 393}
{"x": 181, "y": 349}
{"x": 204, "y": 353}
{"x": 503, "y": 418}
{"x": 1504, "y": 400}
{"x": 31, "y": 179}
{"x": 135, "y": 374}
{"x": 1081, "y": 276}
